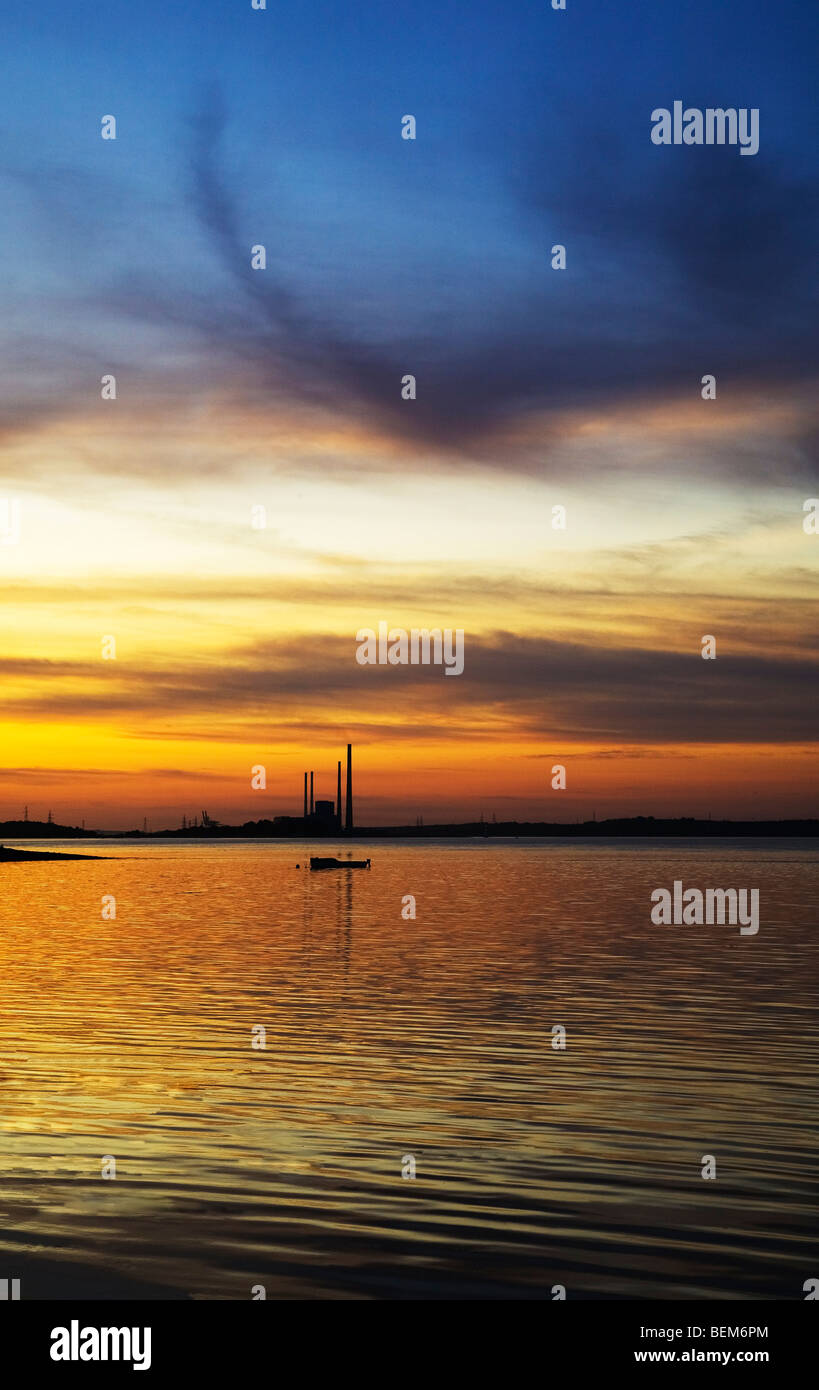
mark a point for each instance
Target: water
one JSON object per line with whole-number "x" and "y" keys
{"x": 388, "y": 1037}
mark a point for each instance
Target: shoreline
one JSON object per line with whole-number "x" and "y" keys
{"x": 14, "y": 856}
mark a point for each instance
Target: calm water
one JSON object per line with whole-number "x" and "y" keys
{"x": 388, "y": 1037}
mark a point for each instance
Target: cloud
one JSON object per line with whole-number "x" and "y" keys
{"x": 513, "y": 685}
{"x": 676, "y": 268}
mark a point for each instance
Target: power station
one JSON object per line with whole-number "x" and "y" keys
{"x": 326, "y": 815}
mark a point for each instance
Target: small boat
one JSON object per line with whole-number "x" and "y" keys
{"x": 316, "y": 863}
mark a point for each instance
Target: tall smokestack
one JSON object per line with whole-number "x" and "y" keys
{"x": 349, "y": 825}
{"x": 311, "y": 793}
{"x": 305, "y": 796}
{"x": 338, "y": 797}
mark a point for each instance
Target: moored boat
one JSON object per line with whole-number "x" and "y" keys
{"x": 329, "y": 863}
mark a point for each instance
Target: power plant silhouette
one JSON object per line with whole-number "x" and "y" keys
{"x": 326, "y": 815}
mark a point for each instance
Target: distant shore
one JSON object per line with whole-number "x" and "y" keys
{"x": 285, "y": 828}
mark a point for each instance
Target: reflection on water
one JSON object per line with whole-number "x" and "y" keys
{"x": 387, "y": 1037}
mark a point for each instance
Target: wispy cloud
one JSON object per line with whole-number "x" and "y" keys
{"x": 531, "y": 686}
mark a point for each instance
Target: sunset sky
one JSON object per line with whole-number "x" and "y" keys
{"x": 282, "y": 388}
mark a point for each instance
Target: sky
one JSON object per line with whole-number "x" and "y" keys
{"x": 280, "y": 389}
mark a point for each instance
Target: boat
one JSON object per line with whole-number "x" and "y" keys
{"x": 317, "y": 863}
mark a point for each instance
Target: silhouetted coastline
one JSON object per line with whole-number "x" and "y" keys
{"x": 15, "y": 856}
{"x": 296, "y": 828}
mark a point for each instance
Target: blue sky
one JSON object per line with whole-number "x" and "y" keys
{"x": 533, "y": 128}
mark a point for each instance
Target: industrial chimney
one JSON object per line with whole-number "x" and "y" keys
{"x": 338, "y": 797}
{"x": 305, "y": 796}
{"x": 349, "y": 824}
{"x": 311, "y": 793}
